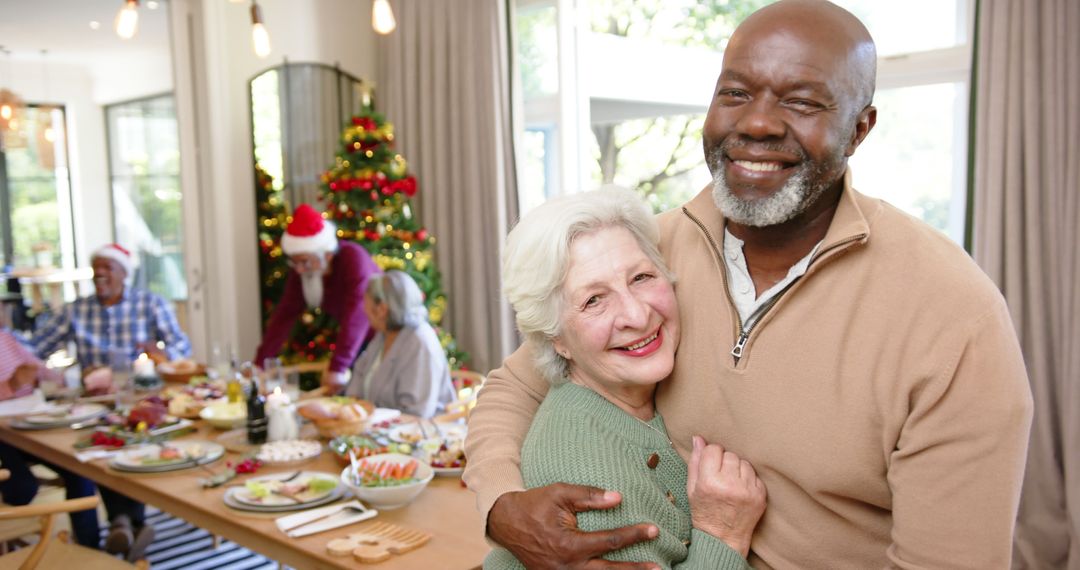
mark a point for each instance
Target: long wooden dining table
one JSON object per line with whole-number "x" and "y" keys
{"x": 445, "y": 509}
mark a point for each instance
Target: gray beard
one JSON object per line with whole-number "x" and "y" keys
{"x": 797, "y": 194}
{"x": 313, "y": 288}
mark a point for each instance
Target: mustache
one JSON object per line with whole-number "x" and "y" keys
{"x": 741, "y": 141}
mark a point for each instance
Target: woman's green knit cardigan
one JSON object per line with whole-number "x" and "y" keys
{"x": 579, "y": 437}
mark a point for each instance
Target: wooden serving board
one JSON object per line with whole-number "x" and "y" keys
{"x": 377, "y": 542}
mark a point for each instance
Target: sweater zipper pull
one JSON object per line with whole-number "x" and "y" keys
{"x": 737, "y": 350}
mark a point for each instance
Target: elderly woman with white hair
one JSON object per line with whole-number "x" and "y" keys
{"x": 404, "y": 366}
{"x": 594, "y": 298}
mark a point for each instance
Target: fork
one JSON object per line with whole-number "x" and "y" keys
{"x": 353, "y": 508}
{"x": 194, "y": 459}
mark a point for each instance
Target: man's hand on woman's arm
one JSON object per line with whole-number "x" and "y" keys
{"x": 539, "y": 527}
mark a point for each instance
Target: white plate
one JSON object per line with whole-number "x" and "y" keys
{"x": 242, "y": 495}
{"x": 73, "y": 414}
{"x": 207, "y": 451}
{"x": 231, "y": 501}
{"x": 316, "y": 449}
{"x": 411, "y": 433}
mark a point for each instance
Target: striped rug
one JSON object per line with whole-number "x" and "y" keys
{"x": 182, "y": 546}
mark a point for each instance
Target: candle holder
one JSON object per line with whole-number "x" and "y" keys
{"x": 145, "y": 378}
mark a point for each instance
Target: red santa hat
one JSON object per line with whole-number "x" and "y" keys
{"x": 309, "y": 233}
{"x": 118, "y": 254}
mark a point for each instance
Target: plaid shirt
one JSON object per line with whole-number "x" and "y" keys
{"x": 139, "y": 317}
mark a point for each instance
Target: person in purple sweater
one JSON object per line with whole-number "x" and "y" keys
{"x": 324, "y": 274}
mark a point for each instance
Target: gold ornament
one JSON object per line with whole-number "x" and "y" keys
{"x": 421, "y": 259}
{"x": 386, "y": 262}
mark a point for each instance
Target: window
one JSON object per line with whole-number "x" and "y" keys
{"x": 619, "y": 89}
{"x": 144, "y": 171}
{"x": 35, "y": 208}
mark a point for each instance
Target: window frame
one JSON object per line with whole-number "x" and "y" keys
{"x": 66, "y": 223}
{"x": 178, "y": 176}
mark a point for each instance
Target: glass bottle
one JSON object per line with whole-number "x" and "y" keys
{"x": 256, "y": 414}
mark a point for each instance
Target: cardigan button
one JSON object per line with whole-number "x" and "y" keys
{"x": 671, "y": 497}
{"x": 686, "y": 542}
{"x": 653, "y": 461}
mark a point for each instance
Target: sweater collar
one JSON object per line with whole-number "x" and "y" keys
{"x": 849, "y": 224}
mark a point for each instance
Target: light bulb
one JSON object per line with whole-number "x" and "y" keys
{"x": 260, "y": 38}
{"x": 5, "y": 111}
{"x": 382, "y": 17}
{"x": 127, "y": 20}
{"x": 50, "y": 134}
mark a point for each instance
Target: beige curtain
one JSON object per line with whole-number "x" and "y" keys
{"x": 444, "y": 82}
{"x": 1027, "y": 214}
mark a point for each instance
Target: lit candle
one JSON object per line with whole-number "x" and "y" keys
{"x": 144, "y": 366}
{"x": 277, "y": 399}
{"x": 281, "y": 415}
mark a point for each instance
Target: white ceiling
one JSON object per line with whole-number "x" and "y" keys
{"x": 62, "y": 27}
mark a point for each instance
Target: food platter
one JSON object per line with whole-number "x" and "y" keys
{"x": 61, "y": 417}
{"x": 172, "y": 456}
{"x": 245, "y": 498}
{"x": 289, "y": 452}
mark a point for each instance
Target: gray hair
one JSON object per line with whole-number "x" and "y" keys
{"x": 402, "y": 297}
{"x": 536, "y": 260}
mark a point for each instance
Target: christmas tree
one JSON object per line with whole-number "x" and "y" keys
{"x": 366, "y": 194}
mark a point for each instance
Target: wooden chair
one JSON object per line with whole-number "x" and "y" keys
{"x": 49, "y": 553}
{"x": 467, "y": 385}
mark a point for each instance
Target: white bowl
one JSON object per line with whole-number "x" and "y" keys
{"x": 225, "y": 415}
{"x": 390, "y": 497}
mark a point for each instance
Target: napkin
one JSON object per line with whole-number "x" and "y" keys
{"x": 336, "y": 521}
{"x": 100, "y": 453}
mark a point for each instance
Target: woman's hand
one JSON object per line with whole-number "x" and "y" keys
{"x": 726, "y": 497}
{"x": 23, "y": 380}
{"x": 334, "y": 382}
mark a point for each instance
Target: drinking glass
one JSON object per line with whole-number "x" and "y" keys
{"x": 219, "y": 367}
{"x": 120, "y": 365}
{"x": 272, "y": 374}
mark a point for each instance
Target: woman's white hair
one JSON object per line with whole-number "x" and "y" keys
{"x": 402, "y": 296}
{"x": 536, "y": 260}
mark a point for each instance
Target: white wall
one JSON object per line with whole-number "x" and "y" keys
{"x": 142, "y": 75}
{"x": 222, "y": 62}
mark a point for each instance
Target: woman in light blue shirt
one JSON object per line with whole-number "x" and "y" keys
{"x": 404, "y": 366}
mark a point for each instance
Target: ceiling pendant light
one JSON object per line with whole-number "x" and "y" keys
{"x": 382, "y": 17}
{"x": 127, "y": 20}
{"x": 260, "y": 38}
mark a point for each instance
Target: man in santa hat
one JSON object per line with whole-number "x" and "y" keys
{"x": 116, "y": 319}
{"x": 328, "y": 275}
{"x": 116, "y": 322}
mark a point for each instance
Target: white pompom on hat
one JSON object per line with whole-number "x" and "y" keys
{"x": 119, "y": 254}
{"x": 309, "y": 233}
